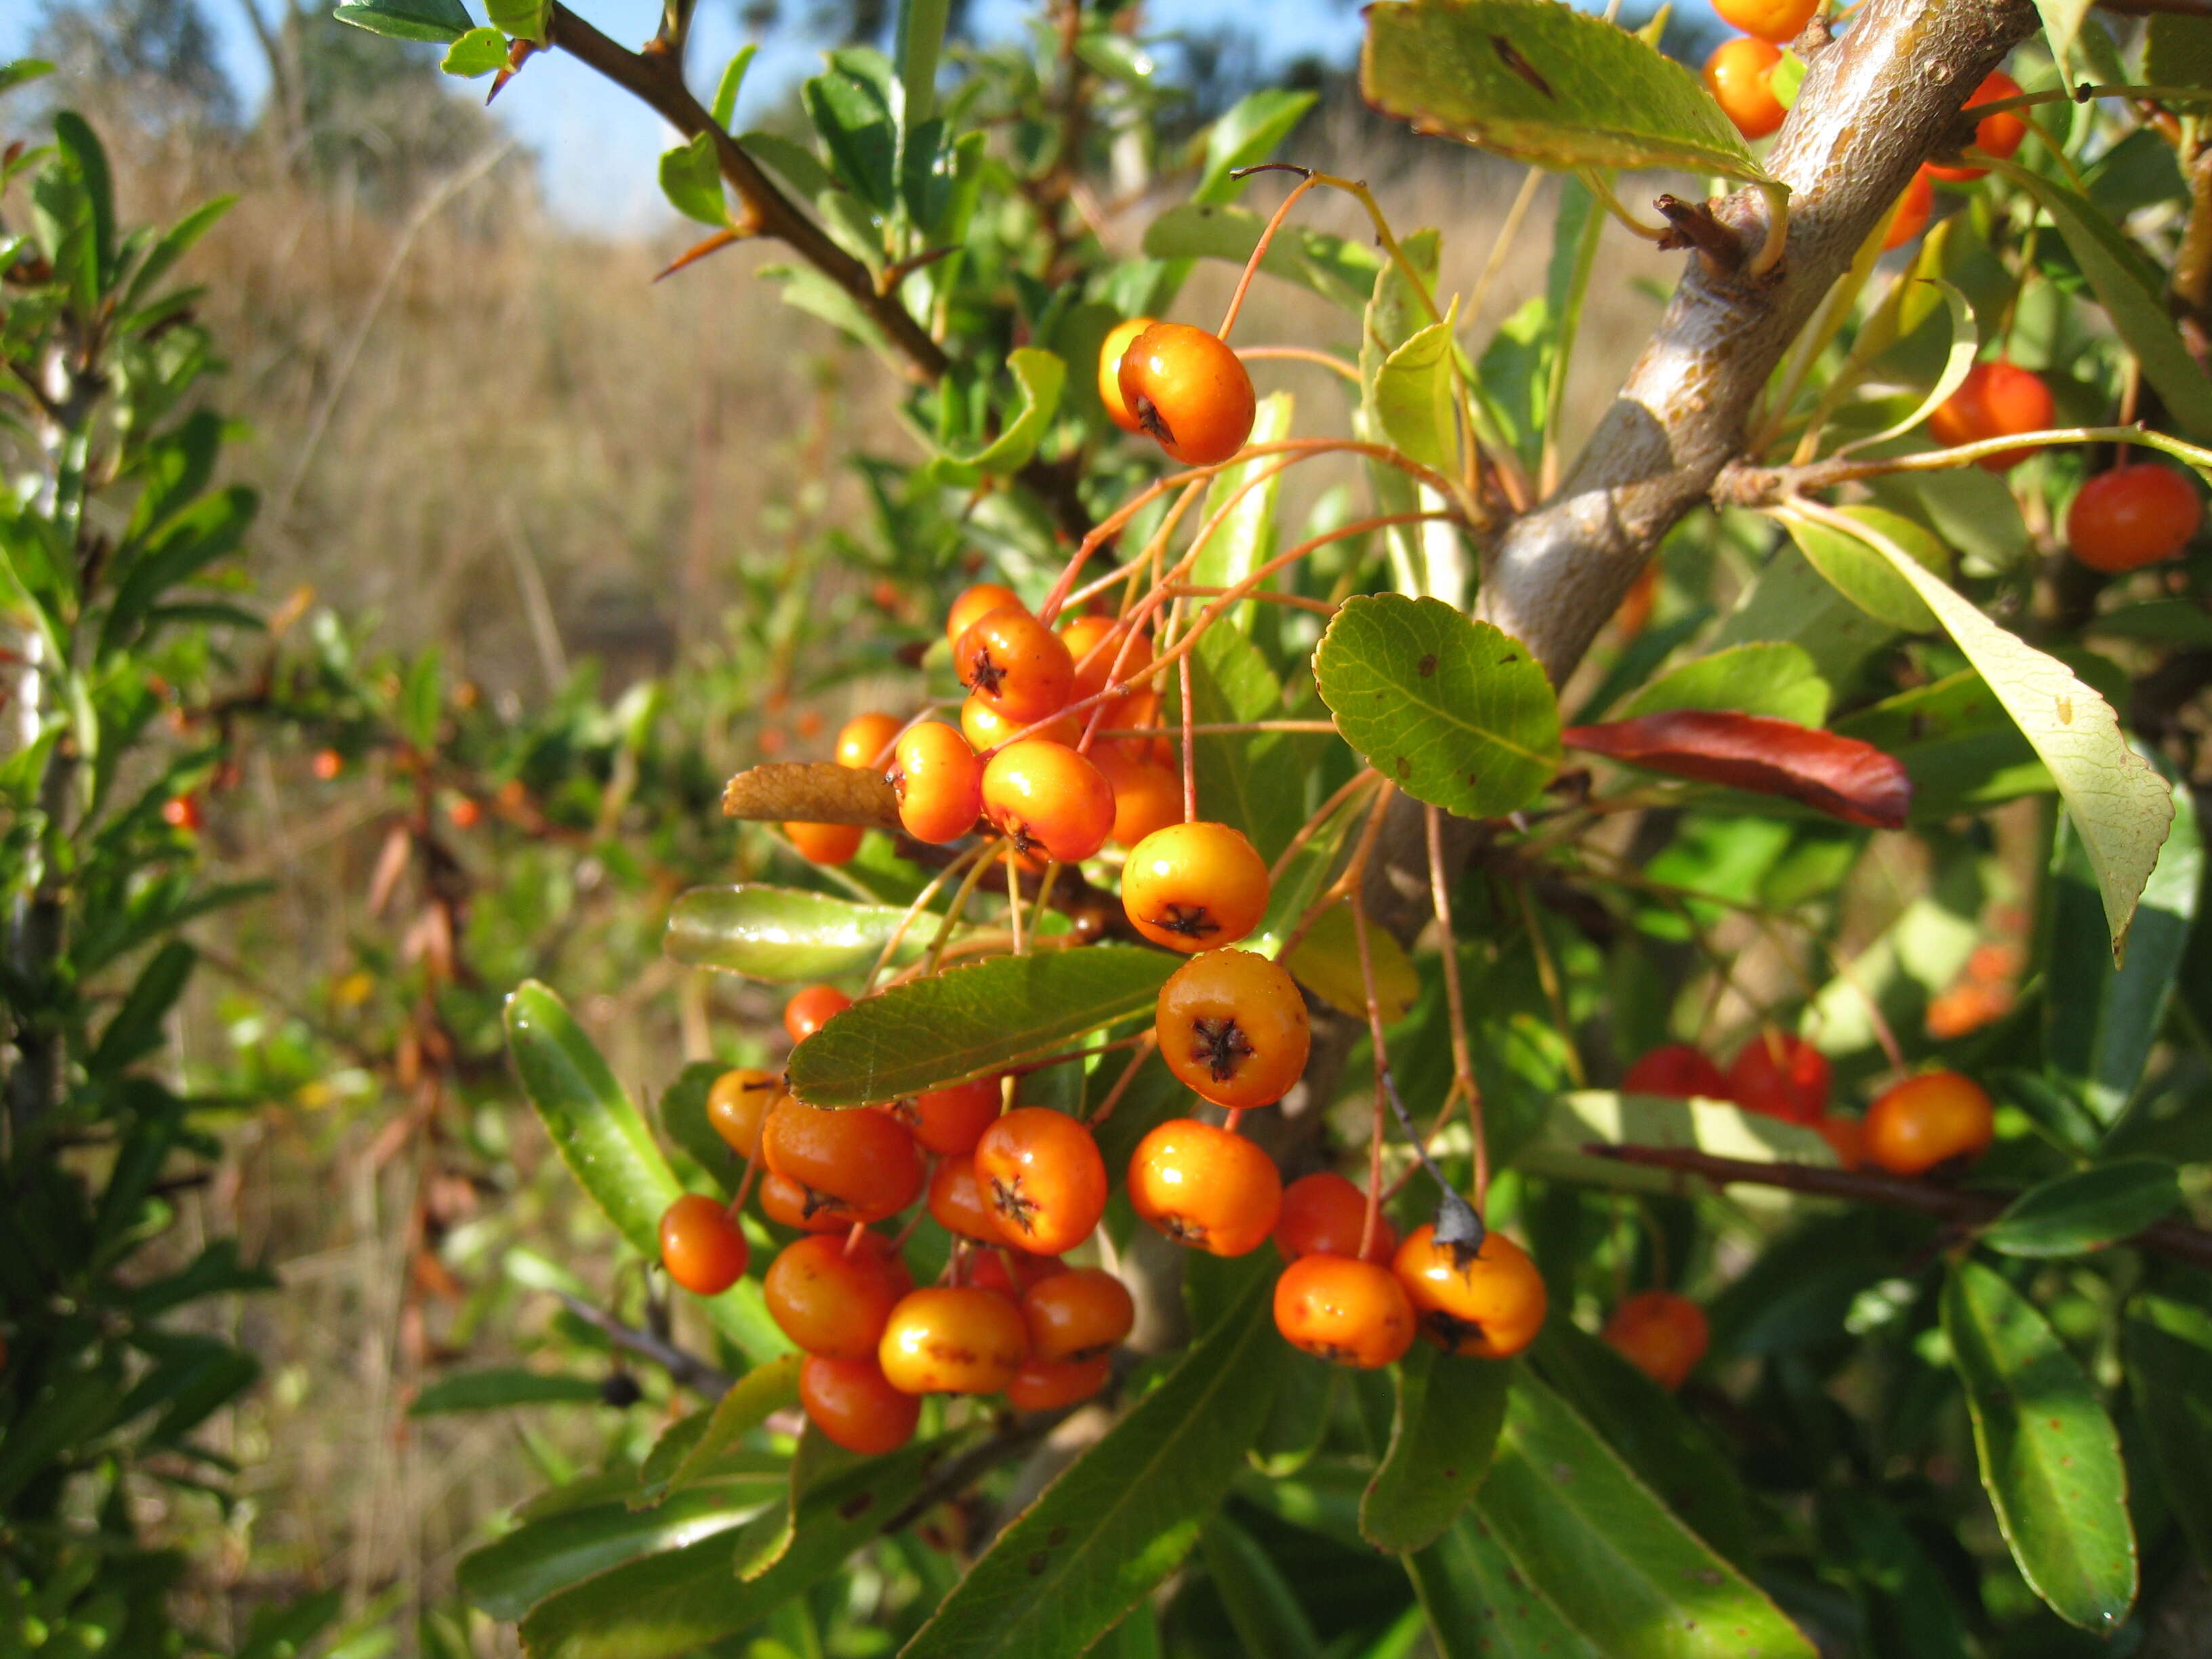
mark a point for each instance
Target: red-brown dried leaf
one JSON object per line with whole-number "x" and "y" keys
{"x": 1841, "y": 776}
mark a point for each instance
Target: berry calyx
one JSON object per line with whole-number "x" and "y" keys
{"x": 1189, "y": 391}
{"x": 1045, "y": 1181}
{"x": 1045, "y": 798}
{"x": 1739, "y": 76}
{"x": 701, "y": 1247}
{"x": 864, "y": 1160}
{"x": 1928, "y": 1120}
{"x": 939, "y": 782}
{"x": 1997, "y": 134}
{"x": 951, "y": 1119}
{"x": 1661, "y": 1335}
{"x": 973, "y": 605}
{"x": 1078, "y": 1315}
{"x": 1914, "y": 208}
{"x": 1048, "y": 1385}
{"x": 957, "y": 1340}
{"x": 1194, "y": 887}
{"x": 1232, "y": 1026}
{"x": 1996, "y": 399}
{"x": 854, "y": 1404}
{"x": 1324, "y": 1214}
{"x": 1779, "y": 22}
{"x": 1345, "y": 1310}
{"x": 738, "y": 1104}
{"x": 1780, "y": 1076}
{"x": 1117, "y": 342}
{"x": 1015, "y": 664}
{"x": 1488, "y": 1303}
{"x": 2132, "y": 516}
{"x": 789, "y": 1204}
{"x": 864, "y": 742}
{"x": 828, "y": 844}
{"x": 810, "y": 1008}
{"x": 833, "y": 1298}
{"x": 1205, "y": 1187}
{"x": 1678, "y": 1071}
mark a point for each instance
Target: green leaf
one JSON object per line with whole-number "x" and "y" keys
{"x": 973, "y": 1020}
{"x": 1116, "y": 1521}
{"x": 21, "y": 71}
{"x": 1263, "y": 1607}
{"x": 854, "y": 125}
{"x": 1589, "y": 1116}
{"x": 499, "y": 1387}
{"x": 1479, "y": 1606}
{"x": 1789, "y": 599}
{"x": 1039, "y": 378}
{"x": 760, "y": 1392}
{"x": 1414, "y": 395}
{"x": 1247, "y": 535}
{"x": 2049, "y": 1455}
{"x": 1771, "y": 678}
{"x": 161, "y": 259}
{"x": 921, "y": 25}
{"x": 1341, "y": 271}
{"x": 439, "y": 21}
{"x": 725, "y": 110}
{"x": 684, "y": 1121}
{"x": 2178, "y": 50}
{"x": 1958, "y": 746}
{"x": 1455, "y": 712}
{"x": 1449, "y": 1411}
{"x": 82, "y": 145}
{"x": 1246, "y": 136}
{"x": 1327, "y": 962}
{"x": 2099, "y": 1021}
{"x": 598, "y": 1134}
{"x": 480, "y": 51}
{"x": 525, "y": 19}
{"x": 136, "y": 1029}
{"x": 1585, "y": 1534}
{"x": 1545, "y": 84}
{"x": 1958, "y": 363}
{"x": 691, "y": 179}
{"x": 2130, "y": 287}
{"x": 2121, "y": 806}
{"x": 1863, "y": 575}
{"x": 2088, "y": 1210}
{"x": 2168, "y": 1346}
{"x": 783, "y": 934}
{"x": 1241, "y": 777}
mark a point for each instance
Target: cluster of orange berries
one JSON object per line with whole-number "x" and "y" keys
{"x": 1928, "y": 1119}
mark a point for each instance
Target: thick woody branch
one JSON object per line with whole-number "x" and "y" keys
{"x": 1875, "y": 103}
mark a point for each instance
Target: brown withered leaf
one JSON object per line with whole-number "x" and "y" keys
{"x": 1841, "y": 776}
{"x": 811, "y": 792}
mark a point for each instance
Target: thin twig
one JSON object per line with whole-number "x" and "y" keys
{"x": 685, "y": 1367}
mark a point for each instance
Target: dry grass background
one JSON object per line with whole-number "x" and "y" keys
{"x": 454, "y": 412}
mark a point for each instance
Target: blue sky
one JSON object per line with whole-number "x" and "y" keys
{"x": 597, "y": 146}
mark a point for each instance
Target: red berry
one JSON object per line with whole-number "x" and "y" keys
{"x": 1678, "y": 1071}
{"x": 1324, "y": 1214}
{"x": 812, "y": 1007}
{"x": 1047, "y": 1385}
{"x": 1078, "y": 1315}
{"x": 865, "y": 1160}
{"x": 854, "y": 1403}
{"x": 1997, "y": 398}
{"x": 832, "y": 1298}
{"x": 1997, "y": 134}
{"x": 958, "y": 1203}
{"x": 701, "y": 1247}
{"x": 951, "y": 1119}
{"x": 1662, "y": 1334}
{"x": 2133, "y": 516}
{"x": 1913, "y": 209}
{"x": 1780, "y": 1076}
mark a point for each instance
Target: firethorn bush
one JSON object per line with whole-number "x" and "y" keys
{"x": 1597, "y": 1053}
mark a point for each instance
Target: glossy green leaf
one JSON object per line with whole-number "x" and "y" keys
{"x": 1863, "y": 575}
{"x": 1452, "y": 710}
{"x": 1585, "y": 1534}
{"x": 1449, "y": 1414}
{"x": 2121, "y": 806}
{"x": 2088, "y": 1210}
{"x": 1958, "y": 746}
{"x": 973, "y": 1020}
{"x": 1414, "y": 396}
{"x": 1958, "y": 363}
{"x": 683, "y": 1120}
{"x": 599, "y": 1134}
{"x": 1246, "y": 135}
{"x": 525, "y": 19}
{"x": 2099, "y": 1021}
{"x": 850, "y": 114}
{"x": 1479, "y": 1606}
{"x": 1117, "y": 1521}
{"x": 1545, "y": 84}
{"x": 2049, "y": 1455}
{"x": 1039, "y": 377}
{"x": 724, "y": 109}
{"x": 915, "y": 52}
{"x": 480, "y": 51}
{"x": 1598, "y": 1115}
{"x": 499, "y": 1387}
{"x": 2178, "y": 50}
{"x": 691, "y": 179}
{"x": 783, "y": 934}
{"x": 1247, "y": 535}
{"x": 441, "y": 21}
{"x": 764, "y": 1389}
{"x": 1263, "y": 1607}
{"x": 1789, "y": 599}
{"x": 2168, "y": 1347}
{"x": 1241, "y": 777}
{"x": 1912, "y": 1613}
{"x": 1771, "y": 678}
{"x": 1341, "y": 271}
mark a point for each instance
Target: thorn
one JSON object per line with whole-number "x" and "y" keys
{"x": 715, "y": 244}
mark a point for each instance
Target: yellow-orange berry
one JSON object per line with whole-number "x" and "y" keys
{"x": 824, "y": 843}
{"x": 1189, "y": 391}
{"x": 1232, "y": 1026}
{"x": 1194, "y": 887}
{"x": 1777, "y": 20}
{"x": 1661, "y": 1335}
{"x": 1147, "y": 797}
{"x": 957, "y": 1340}
{"x": 1078, "y": 1315}
{"x": 865, "y": 1160}
{"x": 939, "y": 782}
{"x": 1488, "y": 1303}
{"x": 1739, "y": 74}
{"x": 1044, "y": 1178}
{"x": 736, "y": 1104}
{"x": 1343, "y": 1310}
{"x": 1928, "y": 1120}
{"x": 978, "y": 602}
{"x": 865, "y": 741}
{"x": 1206, "y": 1186}
{"x": 1047, "y": 1385}
{"x": 854, "y": 1403}
{"x": 1997, "y": 134}
{"x": 1044, "y": 797}
{"x": 986, "y": 729}
{"x": 701, "y": 1246}
{"x": 1110, "y": 371}
{"x": 1014, "y": 664}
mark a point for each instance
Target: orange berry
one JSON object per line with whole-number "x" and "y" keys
{"x": 1118, "y": 341}
{"x": 989, "y": 1270}
{"x": 1678, "y": 1071}
{"x": 1345, "y": 1310}
{"x": 1045, "y": 1182}
{"x": 790, "y": 1205}
{"x": 2133, "y": 516}
{"x": 865, "y": 1160}
{"x": 1015, "y": 664}
{"x": 973, "y": 605}
{"x": 182, "y": 812}
{"x": 854, "y": 1403}
{"x": 1205, "y": 1187}
{"x": 1324, "y": 1214}
{"x": 1147, "y": 797}
{"x": 1095, "y": 645}
{"x": 810, "y": 723}
{"x": 1078, "y": 1314}
{"x": 1777, "y": 21}
{"x": 958, "y": 1203}
{"x": 1233, "y": 1027}
{"x": 1997, "y": 134}
{"x": 939, "y": 782}
{"x": 951, "y": 1120}
{"x": 1780, "y": 1076}
{"x": 466, "y": 812}
{"x": 1194, "y": 887}
{"x": 824, "y": 843}
{"x": 864, "y": 742}
{"x": 1635, "y": 611}
{"x": 1739, "y": 74}
{"x": 1189, "y": 391}
{"x": 1488, "y": 1303}
{"x": 1047, "y": 1385}
{"x": 1928, "y": 1120}
{"x": 832, "y": 1298}
{"x": 1913, "y": 208}
{"x": 1661, "y": 1335}
{"x": 811, "y": 1008}
{"x": 986, "y": 729}
{"x": 328, "y": 763}
{"x": 1045, "y": 797}
{"x": 737, "y": 1105}
{"x": 1996, "y": 399}
{"x": 953, "y": 1341}
{"x": 701, "y": 1246}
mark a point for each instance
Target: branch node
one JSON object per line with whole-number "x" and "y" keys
{"x": 1695, "y": 225}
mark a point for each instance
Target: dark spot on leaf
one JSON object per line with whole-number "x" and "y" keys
{"x": 858, "y": 1503}
{"x": 1405, "y": 767}
{"x": 1508, "y": 658}
{"x": 1428, "y": 664}
{"x": 1520, "y": 66}
{"x": 1037, "y": 1563}
{"x": 1056, "y": 1537}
